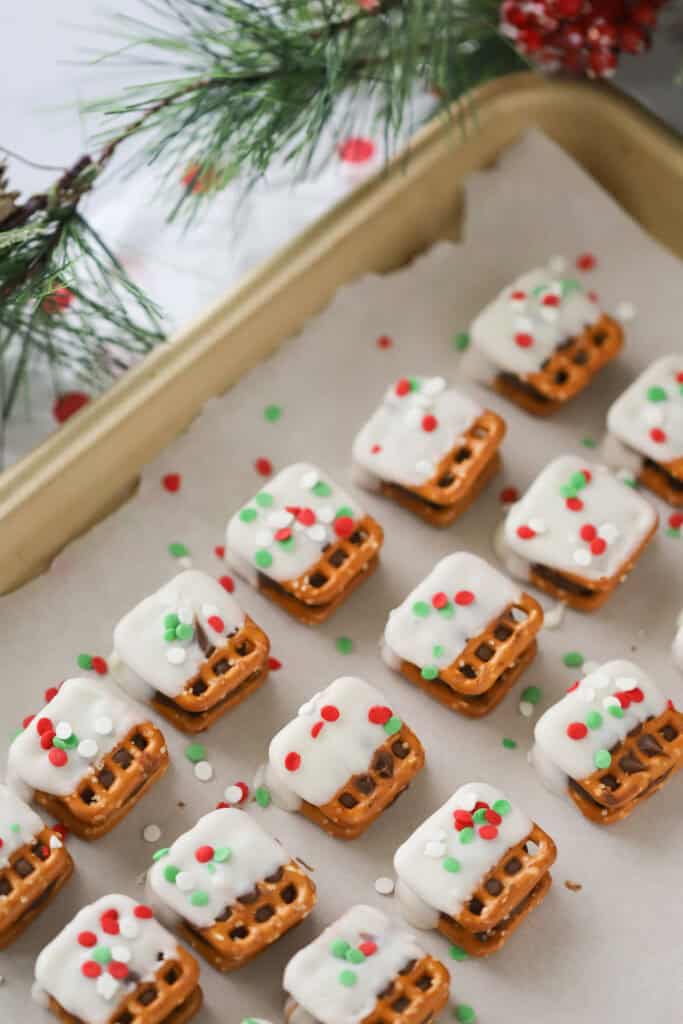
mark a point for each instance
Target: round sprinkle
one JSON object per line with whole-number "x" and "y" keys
{"x": 344, "y": 644}
{"x": 461, "y": 341}
{"x": 262, "y": 796}
{"x": 329, "y": 712}
{"x": 467, "y": 835}
{"x": 322, "y": 489}
{"x": 339, "y": 948}
{"x": 171, "y": 482}
{"x": 203, "y": 771}
{"x": 178, "y": 550}
{"x": 502, "y": 807}
{"x": 91, "y": 969}
{"x": 199, "y": 898}
{"x": 509, "y": 744}
{"x": 57, "y": 758}
{"x": 421, "y": 609}
{"x": 465, "y": 1014}
{"x": 384, "y": 341}
{"x": 355, "y": 956}
{"x": 593, "y": 719}
{"x": 272, "y": 413}
{"x": 87, "y": 939}
{"x": 143, "y": 912}
{"x": 615, "y": 710}
{"x": 100, "y": 666}
{"x": 151, "y": 833}
{"x": 525, "y": 533}
{"x": 102, "y": 955}
{"x": 63, "y": 730}
{"x": 532, "y": 694}
{"x": 429, "y": 672}
{"x": 171, "y": 873}
{"x": 248, "y": 515}
{"x": 176, "y": 655}
{"x": 237, "y": 793}
{"x": 573, "y": 659}
{"x": 84, "y": 661}
{"x": 657, "y": 394}
{"x": 488, "y": 832}
{"x": 457, "y": 953}
{"x": 577, "y": 731}
{"x": 195, "y": 752}
{"x": 263, "y": 558}
{"x": 263, "y": 466}
{"x": 293, "y": 761}
{"x": 429, "y": 423}
{"x": 227, "y": 583}
{"x": 464, "y": 597}
{"x": 160, "y": 854}
{"x": 204, "y": 854}
{"x": 586, "y": 261}
{"x": 379, "y": 715}
{"x": 384, "y": 886}
{"x": 393, "y": 726}
{"x": 264, "y": 499}
{"x": 602, "y": 758}
{"x": 348, "y": 979}
{"x": 451, "y": 865}
{"x": 222, "y": 854}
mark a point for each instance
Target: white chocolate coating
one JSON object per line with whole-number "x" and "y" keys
{"x": 312, "y": 976}
{"x": 147, "y": 660}
{"x": 398, "y": 445}
{"x": 341, "y": 748}
{"x": 558, "y": 757}
{"x": 620, "y": 517}
{"x": 19, "y": 824}
{"x": 252, "y": 545}
{"x": 137, "y": 943}
{"x": 648, "y": 417}
{"x": 422, "y": 634}
{"x": 97, "y": 712}
{"x": 426, "y": 888}
{"x": 243, "y": 854}
{"x": 544, "y": 312}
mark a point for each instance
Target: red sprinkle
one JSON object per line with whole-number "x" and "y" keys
{"x": 574, "y": 504}
{"x": 60, "y": 830}
{"x": 330, "y": 713}
{"x": 676, "y": 520}
{"x": 110, "y": 922}
{"x": 429, "y": 423}
{"x": 509, "y": 495}
{"x": 493, "y": 817}
{"x": 27, "y": 721}
{"x": 379, "y": 715}
{"x": 439, "y": 600}
{"x": 306, "y": 516}
{"x": 599, "y": 546}
{"x": 577, "y": 730}
{"x": 587, "y": 475}
{"x": 293, "y": 761}
{"x": 550, "y": 300}
{"x": 573, "y": 687}
{"x": 481, "y": 804}
{"x": 464, "y": 597}
{"x": 274, "y": 664}
{"x": 636, "y": 695}
{"x": 44, "y": 725}
{"x": 658, "y": 435}
{"x": 51, "y": 693}
{"x": 228, "y": 583}
{"x": 356, "y": 150}
{"x": 263, "y": 466}
{"x": 402, "y": 387}
{"x": 283, "y": 534}
{"x": 343, "y": 526}
{"x": 624, "y": 699}
{"x": 488, "y": 831}
{"x": 524, "y": 340}
{"x": 118, "y": 970}
{"x": 384, "y": 341}
{"x": 46, "y": 739}
{"x": 369, "y": 948}
{"x": 216, "y": 622}
{"x": 171, "y": 482}
{"x": 100, "y": 666}
{"x": 66, "y": 405}
{"x": 588, "y": 532}
{"x": 57, "y": 757}
{"x": 593, "y": 296}
{"x": 586, "y": 261}
{"x": 518, "y": 295}
{"x": 525, "y": 532}
{"x": 462, "y": 819}
{"x": 142, "y": 911}
{"x": 219, "y": 551}
{"x": 87, "y": 939}
{"x": 317, "y": 729}
{"x": 204, "y": 854}
{"x": 376, "y": 448}
{"x": 245, "y": 790}
{"x": 91, "y": 969}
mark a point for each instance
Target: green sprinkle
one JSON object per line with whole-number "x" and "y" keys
{"x": 578, "y": 480}
{"x": 199, "y": 898}
{"x": 602, "y": 758}
{"x": 84, "y": 661}
{"x": 457, "y": 953}
{"x": 593, "y": 719}
{"x": 68, "y": 744}
{"x": 321, "y": 489}
{"x": 211, "y": 868}
{"x": 502, "y": 807}
{"x": 102, "y": 955}
{"x": 429, "y": 672}
{"x": 195, "y": 752}
{"x": 573, "y": 659}
{"x": 178, "y": 550}
{"x": 421, "y": 609}
{"x": 171, "y": 621}
{"x": 509, "y": 744}
{"x": 447, "y": 612}
{"x": 414, "y": 383}
{"x": 567, "y": 491}
{"x": 248, "y": 515}
{"x": 262, "y": 796}
{"x": 589, "y": 442}
{"x": 532, "y": 694}
{"x": 479, "y": 816}
{"x": 340, "y": 948}
{"x": 629, "y": 481}
{"x": 264, "y": 499}
{"x": 348, "y": 979}
{"x": 184, "y": 631}
{"x": 171, "y": 873}
{"x": 461, "y": 341}
{"x": 169, "y": 635}
{"x": 393, "y": 726}
{"x": 465, "y": 1014}
{"x": 616, "y": 710}
{"x": 287, "y": 544}
{"x": 15, "y": 828}
{"x": 344, "y": 644}
{"x": 438, "y": 651}
{"x": 344, "y": 512}
{"x": 160, "y": 854}
{"x": 657, "y": 394}
{"x": 451, "y": 865}
{"x": 272, "y": 413}
{"x": 671, "y": 531}
{"x": 355, "y": 956}
{"x": 263, "y": 558}
{"x": 221, "y": 854}
{"x": 570, "y": 284}
{"x": 466, "y": 836}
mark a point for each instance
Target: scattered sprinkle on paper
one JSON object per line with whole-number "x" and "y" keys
{"x": 464, "y": 1013}
{"x": 344, "y": 644}
{"x": 237, "y": 793}
{"x": 589, "y": 442}
{"x": 457, "y": 953}
{"x": 272, "y": 413}
{"x": 384, "y": 885}
{"x": 573, "y": 659}
{"x": 274, "y": 664}
{"x": 263, "y": 466}
{"x": 177, "y": 549}
{"x": 151, "y": 833}
{"x": 509, "y": 744}
{"x": 219, "y": 551}
{"x": 384, "y": 341}
{"x": 203, "y": 771}
{"x": 509, "y": 495}
{"x": 195, "y": 752}
{"x": 171, "y": 482}
{"x": 586, "y": 261}
{"x": 554, "y": 617}
{"x": 461, "y": 341}
{"x": 262, "y": 796}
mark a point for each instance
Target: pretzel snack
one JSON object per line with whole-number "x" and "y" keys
{"x": 33, "y": 877}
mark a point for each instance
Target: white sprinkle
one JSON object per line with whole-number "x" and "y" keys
{"x": 103, "y": 725}
{"x": 586, "y": 693}
{"x": 557, "y": 265}
{"x": 263, "y": 538}
{"x": 325, "y": 514}
{"x": 55, "y": 843}
{"x": 526, "y": 709}
{"x": 538, "y": 525}
{"x": 625, "y": 311}
{"x": 185, "y": 562}
{"x": 151, "y": 833}
{"x": 122, "y": 954}
{"x": 176, "y": 655}
{"x": 309, "y": 479}
{"x": 435, "y": 849}
{"x": 279, "y": 519}
{"x": 609, "y": 532}
{"x": 384, "y": 886}
{"x": 185, "y": 615}
{"x": 63, "y": 730}
{"x": 611, "y": 702}
{"x": 233, "y": 795}
{"x": 554, "y": 616}
{"x": 203, "y": 771}
{"x": 433, "y": 385}
{"x": 582, "y": 556}
{"x": 107, "y": 987}
{"x": 184, "y": 881}
{"x": 87, "y": 748}
{"x": 317, "y": 532}
{"x": 128, "y": 926}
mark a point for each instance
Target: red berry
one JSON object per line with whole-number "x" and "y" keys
{"x": 644, "y": 14}
{"x": 171, "y": 482}
{"x": 530, "y": 40}
{"x": 356, "y": 150}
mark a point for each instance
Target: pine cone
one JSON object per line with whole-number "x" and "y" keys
{"x": 7, "y": 199}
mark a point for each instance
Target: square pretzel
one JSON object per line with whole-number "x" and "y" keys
{"x": 190, "y": 651}
{"x": 429, "y": 448}
{"x": 541, "y": 341}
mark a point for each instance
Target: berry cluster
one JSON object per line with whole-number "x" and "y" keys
{"x": 579, "y": 36}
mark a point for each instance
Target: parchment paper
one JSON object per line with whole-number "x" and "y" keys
{"x": 609, "y": 953}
